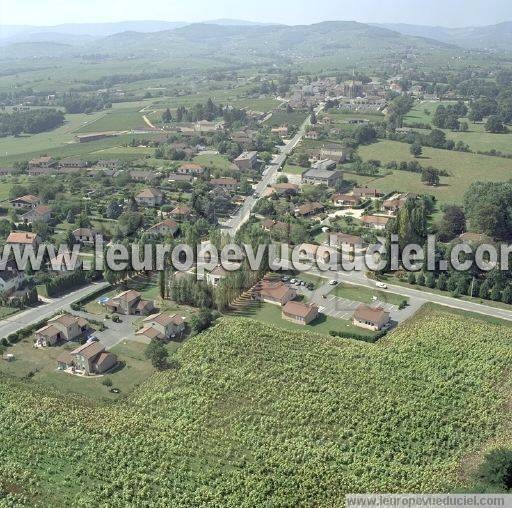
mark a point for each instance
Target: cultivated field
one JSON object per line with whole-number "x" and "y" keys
{"x": 253, "y": 412}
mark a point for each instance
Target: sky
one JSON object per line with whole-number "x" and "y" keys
{"x": 423, "y": 12}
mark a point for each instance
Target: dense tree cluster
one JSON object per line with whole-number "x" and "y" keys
{"x": 30, "y": 122}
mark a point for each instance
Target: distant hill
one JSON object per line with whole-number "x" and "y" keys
{"x": 333, "y": 38}
{"x": 498, "y": 37}
{"x": 89, "y": 29}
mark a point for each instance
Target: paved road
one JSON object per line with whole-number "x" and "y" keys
{"x": 31, "y": 316}
{"x": 115, "y": 332}
{"x": 417, "y": 297}
{"x": 269, "y": 176}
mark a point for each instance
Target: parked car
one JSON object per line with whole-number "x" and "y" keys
{"x": 285, "y": 278}
{"x": 293, "y": 281}
{"x": 381, "y": 285}
{"x": 333, "y": 282}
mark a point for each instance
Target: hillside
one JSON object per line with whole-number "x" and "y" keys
{"x": 498, "y": 37}
{"x": 340, "y": 39}
{"x": 256, "y": 416}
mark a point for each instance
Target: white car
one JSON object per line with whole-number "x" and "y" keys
{"x": 293, "y": 281}
{"x": 381, "y": 285}
{"x": 333, "y": 282}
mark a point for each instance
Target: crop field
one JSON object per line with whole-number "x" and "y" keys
{"x": 464, "y": 168}
{"x": 261, "y": 416}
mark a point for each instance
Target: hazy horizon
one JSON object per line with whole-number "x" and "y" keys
{"x": 458, "y": 13}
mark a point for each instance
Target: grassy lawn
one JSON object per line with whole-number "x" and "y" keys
{"x": 40, "y": 366}
{"x": 214, "y": 161}
{"x": 478, "y": 139}
{"x": 464, "y": 169}
{"x": 5, "y": 187}
{"x": 271, "y": 315}
{"x": 7, "y": 311}
{"x": 293, "y": 170}
{"x": 364, "y": 294}
{"x": 418, "y": 114}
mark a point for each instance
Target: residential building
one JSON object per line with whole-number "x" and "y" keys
{"x": 275, "y": 292}
{"x": 162, "y": 326}
{"x": 143, "y": 176}
{"x": 309, "y": 209}
{"x": 177, "y": 177}
{"x": 41, "y": 171}
{"x": 339, "y": 239}
{"x": 333, "y": 152}
{"x": 371, "y": 318}
{"x": 299, "y": 313}
{"x": 229, "y": 184}
{"x": 281, "y": 131}
{"x": 7, "y": 171}
{"x": 286, "y": 189}
{"x": 90, "y": 358}
{"x": 149, "y": 197}
{"x": 42, "y": 162}
{"x": 324, "y": 164}
{"x": 22, "y": 238}
{"x": 63, "y": 327}
{"x": 312, "y": 134}
{"x": 166, "y": 227}
{"x": 73, "y": 163}
{"x": 130, "y": 303}
{"x": 475, "y": 238}
{"x": 11, "y": 278}
{"x": 84, "y": 235}
{"x": 395, "y": 202}
{"x": 375, "y": 221}
{"x": 345, "y": 200}
{"x": 190, "y": 168}
{"x": 216, "y": 275}
{"x": 181, "y": 212}
{"x": 246, "y": 160}
{"x": 319, "y": 176}
{"x": 25, "y": 202}
{"x": 96, "y": 136}
{"x": 367, "y": 192}
{"x": 270, "y": 226}
{"x": 109, "y": 163}
{"x": 41, "y": 213}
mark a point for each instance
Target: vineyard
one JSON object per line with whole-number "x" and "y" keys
{"x": 257, "y": 416}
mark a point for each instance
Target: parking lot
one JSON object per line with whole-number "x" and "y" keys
{"x": 335, "y": 306}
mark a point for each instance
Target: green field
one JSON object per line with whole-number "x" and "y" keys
{"x": 215, "y": 161}
{"x": 40, "y": 366}
{"x": 364, "y": 294}
{"x": 464, "y": 169}
{"x": 116, "y": 119}
{"x": 257, "y": 416}
{"x": 295, "y": 118}
{"x": 417, "y": 113}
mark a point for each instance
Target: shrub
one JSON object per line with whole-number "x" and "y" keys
{"x": 495, "y": 472}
